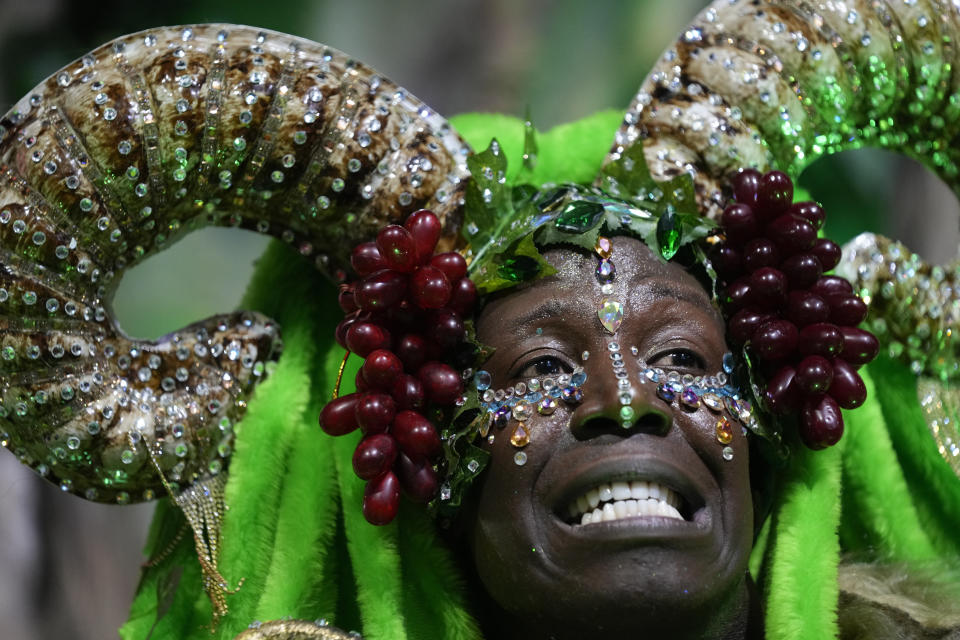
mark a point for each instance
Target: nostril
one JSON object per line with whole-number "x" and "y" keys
{"x": 646, "y": 421}
{"x": 651, "y": 422}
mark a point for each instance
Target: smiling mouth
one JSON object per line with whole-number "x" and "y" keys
{"x": 620, "y": 500}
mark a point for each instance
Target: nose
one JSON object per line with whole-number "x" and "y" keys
{"x": 612, "y": 406}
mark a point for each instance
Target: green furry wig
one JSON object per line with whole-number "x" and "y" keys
{"x": 294, "y": 535}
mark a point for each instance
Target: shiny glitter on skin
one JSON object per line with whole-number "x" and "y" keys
{"x": 114, "y": 170}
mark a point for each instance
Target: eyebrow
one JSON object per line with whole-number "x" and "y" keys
{"x": 684, "y": 294}
{"x": 551, "y": 308}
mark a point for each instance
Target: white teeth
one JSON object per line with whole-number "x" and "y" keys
{"x": 621, "y": 491}
{"x": 593, "y": 498}
{"x": 606, "y": 493}
{"x": 620, "y": 508}
{"x": 653, "y": 491}
{"x": 609, "y": 513}
{"x": 618, "y": 500}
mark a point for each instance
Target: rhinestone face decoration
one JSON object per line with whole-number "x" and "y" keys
{"x": 522, "y": 401}
{"x": 716, "y": 393}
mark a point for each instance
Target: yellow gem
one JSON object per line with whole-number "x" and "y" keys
{"x": 520, "y": 438}
{"x": 604, "y": 247}
{"x": 724, "y": 431}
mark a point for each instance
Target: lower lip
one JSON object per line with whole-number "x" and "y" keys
{"x": 642, "y": 529}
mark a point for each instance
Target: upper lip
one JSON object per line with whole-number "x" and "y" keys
{"x": 601, "y": 465}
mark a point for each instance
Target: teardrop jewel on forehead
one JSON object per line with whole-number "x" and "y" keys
{"x": 610, "y": 310}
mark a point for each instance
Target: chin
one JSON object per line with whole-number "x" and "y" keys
{"x": 632, "y": 577}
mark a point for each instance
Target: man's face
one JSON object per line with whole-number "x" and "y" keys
{"x": 533, "y": 552}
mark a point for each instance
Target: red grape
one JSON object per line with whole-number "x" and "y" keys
{"x": 441, "y": 384}
{"x": 760, "y": 252}
{"x": 805, "y": 308}
{"x": 418, "y": 479}
{"x": 783, "y": 393}
{"x": 739, "y": 223}
{"x": 821, "y": 338}
{"x": 463, "y": 297}
{"x": 340, "y": 333}
{"x": 775, "y": 340}
{"x": 847, "y": 310}
{"x": 802, "y": 270}
{"x": 810, "y": 211}
{"x": 381, "y": 369}
{"x": 774, "y": 193}
{"x": 745, "y": 186}
{"x": 375, "y": 412}
{"x": 429, "y": 288}
{"x": 366, "y": 259}
{"x": 404, "y": 317}
{"x": 381, "y": 499}
{"x": 814, "y": 375}
{"x": 381, "y": 290}
{"x": 408, "y": 392}
{"x": 374, "y": 455}
{"x": 847, "y": 388}
{"x": 745, "y": 323}
{"x": 397, "y": 247}
{"x": 727, "y": 262}
{"x": 425, "y": 228}
{"x": 345, "y": 299}
{"x": 360, "y": 384}
{"x": 831, "y": 285}
{"x": 792, "y": 233}
{"x": 828, "y": 252}
{"x": 451, "y": 263}
{"x": 364, "y": 337}
{"x": 412, "y": 351}
{"x": 447, "y": 328}
{"x": 859, "y": 346}
{"x": 768, "y": 285}
{"x": 339, "y": 415}
{"x": 417, "y": 438}
{"x": 737, "y": 295}
{"x": 822, "y": 424}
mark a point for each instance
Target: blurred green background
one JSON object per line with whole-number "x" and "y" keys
{"x": 70, "y": 567}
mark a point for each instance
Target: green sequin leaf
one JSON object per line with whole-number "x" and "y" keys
{"x": 521, "y": 262}
{"x": 629, "y": 177}
{"x": 551, "y": 235}
{"x": 495, "y": 215}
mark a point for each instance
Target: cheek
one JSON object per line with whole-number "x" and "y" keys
{"x": 507, "y": 511}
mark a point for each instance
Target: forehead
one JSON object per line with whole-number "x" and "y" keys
{"x": 641, "y": 278}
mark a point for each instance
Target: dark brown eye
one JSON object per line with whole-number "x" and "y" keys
{"x": 544, "y": 366}
{"x": 680, "y": 359}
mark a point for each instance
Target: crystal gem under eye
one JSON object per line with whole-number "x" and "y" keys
{"x": 500, "y": 417}
{"x": 724, "y": 431}
{"x": 689, "y": 398}
{"x": 666, "y": 393}
{"x": 547, "y": 406}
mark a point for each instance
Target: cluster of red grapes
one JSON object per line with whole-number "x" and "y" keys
{"x": 405, "y": 318}
{"x": 798, "y": 324}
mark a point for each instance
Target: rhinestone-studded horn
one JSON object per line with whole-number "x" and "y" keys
{"x": 148, "y": 137}
{"x": 779, "y": 87}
